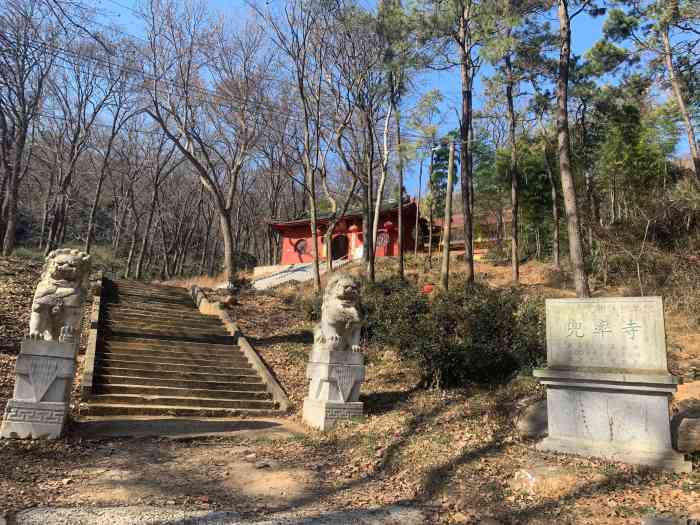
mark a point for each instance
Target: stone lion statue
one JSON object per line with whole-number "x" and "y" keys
{"x": 339, "y": 328}
{"x": 60, "y": 294}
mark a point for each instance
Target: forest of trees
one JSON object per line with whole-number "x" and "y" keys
{"x": 175, "y": 145}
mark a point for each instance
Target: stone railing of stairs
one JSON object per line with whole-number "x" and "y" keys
{"x": 209, "y": 307}
{"x": 151, "y": 352}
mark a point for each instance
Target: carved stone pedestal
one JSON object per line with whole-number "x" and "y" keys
{"x": 41, "y": 401}
{"x": 336, "y": 378}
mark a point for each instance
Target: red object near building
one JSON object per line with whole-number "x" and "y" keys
{"x": 347, "y": 240}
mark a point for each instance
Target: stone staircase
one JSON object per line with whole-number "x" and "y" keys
{"x": 156, "y": 355}
{"x": 298, "y": 273}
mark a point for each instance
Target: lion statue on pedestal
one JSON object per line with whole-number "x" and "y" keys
{"x": 60, "y": 295}
{"x": 339, "y": 329}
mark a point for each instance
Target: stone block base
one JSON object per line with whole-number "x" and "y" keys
{"x": 323, "y": 415}
{"x": 31, "y": 420}
{"x": 662, "y": 459}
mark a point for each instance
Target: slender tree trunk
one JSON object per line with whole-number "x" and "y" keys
{"x": 465, "y": 165}
{"x": 400, "y": 166}
{"x": 447, "y": 223}
{"x": 93, "y": 212}
{"x": 10, "y": 211}
{"x": 64, "y": 221}
{"x": 132, "y": 250}
{"x": 205, "y": 248}
{"x": 45, "y": 213}
{"x": 566, "y": 174}
{"x": 382, "y": 178}
{"x": 555, "y": 210}
{"x": 146, "y": 234}
{"x": 430, "y": 238}
{"x": 513, "y": 168}
{"x": 417, "y": 225}
{"x": 680, "y": 100}
{"x": 314, "y": 233}
{"x": 212, "y": 257}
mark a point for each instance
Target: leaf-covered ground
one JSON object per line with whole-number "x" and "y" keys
{"x": 454, "y": 454}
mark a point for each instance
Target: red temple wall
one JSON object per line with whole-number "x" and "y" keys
{"x": 351, "y": 228}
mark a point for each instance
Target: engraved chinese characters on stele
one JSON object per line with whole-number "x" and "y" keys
{"x": 622, "y": 333}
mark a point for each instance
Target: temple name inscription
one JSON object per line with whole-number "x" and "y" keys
{"x": 612, "y": 333}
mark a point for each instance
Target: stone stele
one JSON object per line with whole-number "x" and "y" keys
{"x": 43, "y": 379}
{"x": 608, "y": 386}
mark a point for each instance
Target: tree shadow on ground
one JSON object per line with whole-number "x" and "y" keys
{"x": 305, "y": 337}
{"x": 378, "y": 403}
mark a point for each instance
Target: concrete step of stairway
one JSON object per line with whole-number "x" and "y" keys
{"x": 235, "y": 361}
{"x": 183, "y": 401}
{"x": 159, "y": 291}
{"x": 176, "y": 348}
{"x": 201, "y": 357}
{"x": 236, "y": 383}
{"x": 155, "y": 308}
{"x": 107, "y": 361}
{"x": 165, "y": 328}
{"x": 166, "y": 391}
{"x": 99, "y": 408}
{"x": 171, "y": 335}
{"x": 148, "y": 373}
{"x": 162, "y": 318}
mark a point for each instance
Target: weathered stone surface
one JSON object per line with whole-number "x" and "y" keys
{"x": 335, "y": 376}
{"x": 532, "y": 422}
{"x": 323, "y": 415}
{"x": 60, "y": 294}
{"x": 43, "y": 377}
{"x": 608, "y": 385}
{"x": 336, "y": 369}
{"x": 339, "y": 329}
{"x": 654, "y": 520}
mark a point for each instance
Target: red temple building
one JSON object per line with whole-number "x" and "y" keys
{"x": 347, "y": 241}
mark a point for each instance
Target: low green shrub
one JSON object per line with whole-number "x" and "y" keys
{"x": 393, "y": 312}
{"x": 473, "y": 333}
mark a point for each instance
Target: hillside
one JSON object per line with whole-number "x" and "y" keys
{"x": 454, "y": 453}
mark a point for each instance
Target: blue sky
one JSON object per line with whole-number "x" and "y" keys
{"x": 585, "y": 32}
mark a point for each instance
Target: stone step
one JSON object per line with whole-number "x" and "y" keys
{"x": 188, "y": 312}
{"x": 251, "y": 383}
{"x": 150, "y": 288}
{"x": 129, "y": 282}
{"x": 175, "y": 351}
{"x": 111, "y": 331}
{"x": 172, "y": 348}
{"x": 164, "y": 328}
{"x": 119, "y": 409}
{"x": 128, "y": 297}
{"x": 157, "y": 366}
{"x": 166, "y": 391}
{"x": 184, "y": 309}
{"x": 182, "y": 401}
{"x": 149, "y": 373}
{"x": 137, "y": 340}
{"x": 148, "y": 357}
{"x": 165, "y": 318}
